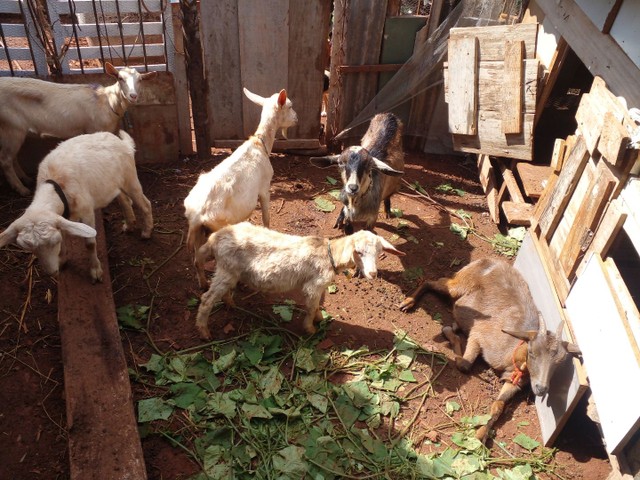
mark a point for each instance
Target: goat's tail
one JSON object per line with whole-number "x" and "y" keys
{"x": 126, "y": 138}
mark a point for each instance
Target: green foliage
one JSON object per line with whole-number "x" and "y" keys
{"x": 447, "y": 188}
{"x": 132, "y": 316}
{"x": 324, "y": 205}
{"x": 331, "y": 181}
{"x": 262, "y": 406}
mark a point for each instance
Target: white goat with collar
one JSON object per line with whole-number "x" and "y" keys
{"x": 230, "y": 192}
{"x": 60, "y": 110}
{"x": 270, "y": 261}
{"x": 80, "y": 175}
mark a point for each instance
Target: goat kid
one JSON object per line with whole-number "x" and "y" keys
{"x": 229, "y": 193}
{"x": 270, "y": 261}
{"x": 80, "y": 175}
{"x": 494, "y": 308}
{"x": 370, "y": 172}
{"x": 61, "y": 111}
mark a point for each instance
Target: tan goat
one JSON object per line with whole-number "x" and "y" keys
{"x": 494, "y": 308}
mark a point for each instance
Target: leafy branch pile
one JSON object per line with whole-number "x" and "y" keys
{"x": 270, "y": 405}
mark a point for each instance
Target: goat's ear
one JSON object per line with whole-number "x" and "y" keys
{"x": 148, "y": 75}
{"x": 255, "y": 98}
{"x": 386, "y": 169}
{"x": 9, "y": 235}
{"x": 324, "y": 162}
{"x": 389, "y": 248}
{"x": 526, "y": 335}
{"x": 282, "y": 97}
{"x": 572, "y": 348}
{"x": 110, "y": 69}
{"x": 78, "y": 229}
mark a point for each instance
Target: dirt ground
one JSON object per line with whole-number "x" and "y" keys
{"x": 32, "y": 412}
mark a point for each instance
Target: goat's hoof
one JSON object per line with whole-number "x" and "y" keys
{"x": 204, "y": 332}
{"x": 145, "y": 235}
{"x": 463, "y": 365}
{"x": 96, "y": 275}
{"x": 407, "y": 304}
{"x": 482, "y": 434}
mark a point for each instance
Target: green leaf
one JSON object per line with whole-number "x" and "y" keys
{"x": 331, "y": 181}
{"x": 188, "y": 394}
{"x": 271, "y": 382}
{"x": 222, "y": 403}
{"x": 321, "y": 402}
{"x": 413, "y": 273}
{"x": 466, "y": 464}
{"x": 305, "y": 359}
{"x": 407, "y": 376}
{"x": 476, "y": 420}
{"x": 192, "y": 303}
{"x": 468, "y": 442}
{"x": 520, "y": 472}
{"x": 285, "y": 312}
{"x": 396, "y": 212}
{"x": 526, "y": 442}
{"x": 437, "y": 317}
{"x": 333, "y": 288}
{"x": 459, "y": 230}
{"x": 451, "y": 407}
{"x": 132, "y": 316}
{"x": 335, "y": 194}
{"x": 324, "y": 205}
{"x": 255, "y": 411}
{"x": 447, "y": 188}
{"x": 155, "y": 408}
{"x": 290, "y": 462}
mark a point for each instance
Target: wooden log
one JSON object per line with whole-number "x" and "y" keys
{"x": 103, "y": 436}
{"x": 463, "y": 85}
{"x": 552, "y": 212}
{"x": 512, "y": 87}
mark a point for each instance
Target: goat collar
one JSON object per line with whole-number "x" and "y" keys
{"x": 519, "y": 364}
{"x": 62, "y": 196}
{"x": 331, "y": 259}
{"x": 264, "y": 145}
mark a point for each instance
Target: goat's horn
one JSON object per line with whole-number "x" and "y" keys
{"x": 560, "y": 330}
{"x": 542, "y": 326}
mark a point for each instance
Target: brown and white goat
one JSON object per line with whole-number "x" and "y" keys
{"x": 229, "y": 192}
{"x": 269, "y": 261}
{"x": 370, "y": 172}
{"x": 60, "y": 110}
{"x": 494, "y": 308}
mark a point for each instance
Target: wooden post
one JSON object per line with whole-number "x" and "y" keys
{"x": 195, "y": 74}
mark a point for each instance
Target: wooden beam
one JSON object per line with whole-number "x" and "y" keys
{"x": 512, "y": 87}
{"x": 463, "y": 85}
{"x": 517, "y": 213}
{"x": 181, "y": 85}
{"x": 101, "y": 425}
{"x": 557, "y": 157}
{"x": 278, "y": 146}
{"x": 613, "y": 140}
{"x": 510, "y": 180}
{"x": 488, "y": 182}
{"x": 534, "y": 178}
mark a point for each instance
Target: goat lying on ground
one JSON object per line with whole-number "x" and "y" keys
{"x": 494, "y": 308}
{"x": 370, "y": 172}
{"x": 229, "y": 193}
{"x": 59, "y": 110}
{"x": 269, "y": 261}
{"x": 80, "y": 175}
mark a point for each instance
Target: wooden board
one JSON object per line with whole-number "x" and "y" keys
{"x": 278, "y": 145}
{"x": 492, "y": 39}
{"x": 587, "y": 218}
{"x": 182, "y": 85}
{"x": 613, "y": 141}
{"x": 534, "y": 178}
{"x": 264, "y": 53}
{"x": 517, "y": 213}
{"x": 101, "y": 424}
{"x": 510, "y": 181}
{"x": 569, "y": 382}
{"x": 488, "y": 182}
{"x": 463, "y": 85}
{"x": 512, "y": 87}
{"x": 563, "y": 189}
{"x": 599, "y": 329}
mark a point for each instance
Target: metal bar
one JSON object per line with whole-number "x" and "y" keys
{"x": 144, "y": 42}
{"x": 74, "y": 22}
{"x": 6, "y": 49}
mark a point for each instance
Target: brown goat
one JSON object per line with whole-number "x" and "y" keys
{"x": 494, "y": 308}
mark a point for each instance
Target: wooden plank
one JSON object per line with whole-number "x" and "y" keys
{"x": 510, "y": 181}
{"x": 599, "y": 329}
{"x": 569, "y": 382}
{"x": 599, "y": 53}
{"x": 309, "y": 27}
{"x": 387, "y": 67}
{"x": 220, "y": 43}
{"x": 264, "y": 54}
{"x": 517, "y": 213}
{"x": 181, "y": 85}
{"x": 560, "y": 283}
{"x": 613, "y": 140}
{"x": 490, "y": 140}
{"x": 488, "y": 182}
{"x": 574, "y": 165}
{"x": 610, "y": 224}
{"x": 557, "y": 157}
{"x": 586, "y": 220}
{"x": 492, "y": 39}
{"x": 101, "y": 426}
{"x": 512, "y": 87}
{"x": 490, "y": 85}
{"x": 463, "y": 85}
{"x": 534, "y": 178}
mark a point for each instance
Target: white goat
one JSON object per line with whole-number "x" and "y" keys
{"x": 59, "y": 110}
{"x": 80, "y": 175}
{"x": 230, "y": 192}
{"x": 270, "y": 261}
